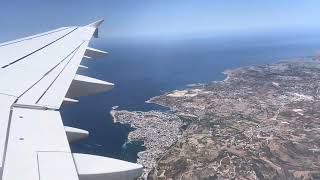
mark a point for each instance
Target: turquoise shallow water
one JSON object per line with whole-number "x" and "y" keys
{"x": 144, "y": 69}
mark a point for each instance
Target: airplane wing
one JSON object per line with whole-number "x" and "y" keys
{"x": 38, "y": 74}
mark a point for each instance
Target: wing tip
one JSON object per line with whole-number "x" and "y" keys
{"x": 96, "y": 24}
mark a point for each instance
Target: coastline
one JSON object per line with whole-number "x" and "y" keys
{"x": 157, "y": 130}
{"x": 232, "y": 122}
{"x": 149, "y": 163}
{"x": 144, "y": 156}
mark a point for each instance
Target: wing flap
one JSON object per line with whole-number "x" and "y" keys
{"x": 56, "y": 166}
{"x": 33, "y": 131}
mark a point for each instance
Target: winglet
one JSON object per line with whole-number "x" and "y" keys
{"x": 96, "y": 24}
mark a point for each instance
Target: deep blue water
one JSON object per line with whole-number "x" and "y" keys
{"x": 143, "y": 69}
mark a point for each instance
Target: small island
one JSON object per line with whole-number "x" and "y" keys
{"x": 261, "y": 122}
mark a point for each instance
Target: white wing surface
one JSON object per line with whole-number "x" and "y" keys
{"x": 38, "y": 75}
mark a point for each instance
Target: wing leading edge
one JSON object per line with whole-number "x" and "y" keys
{"x": 38, "y": 74}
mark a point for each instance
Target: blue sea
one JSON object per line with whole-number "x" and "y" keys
{"x": 142, "y": 69}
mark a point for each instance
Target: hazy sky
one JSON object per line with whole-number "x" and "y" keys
{"x": 158, "y": 18}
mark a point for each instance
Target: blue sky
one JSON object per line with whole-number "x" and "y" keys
{"x": 159, "y": 18}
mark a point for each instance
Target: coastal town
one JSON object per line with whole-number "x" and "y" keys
{"x": 158, "y": 130}
{"x": 261, "y": 122}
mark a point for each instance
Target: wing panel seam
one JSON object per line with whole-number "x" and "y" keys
{"x": 9, "y": 43}
{"x": 49, "y": 71}
{"x": 59, "y": 73}
{"x": 13, "y": 62}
